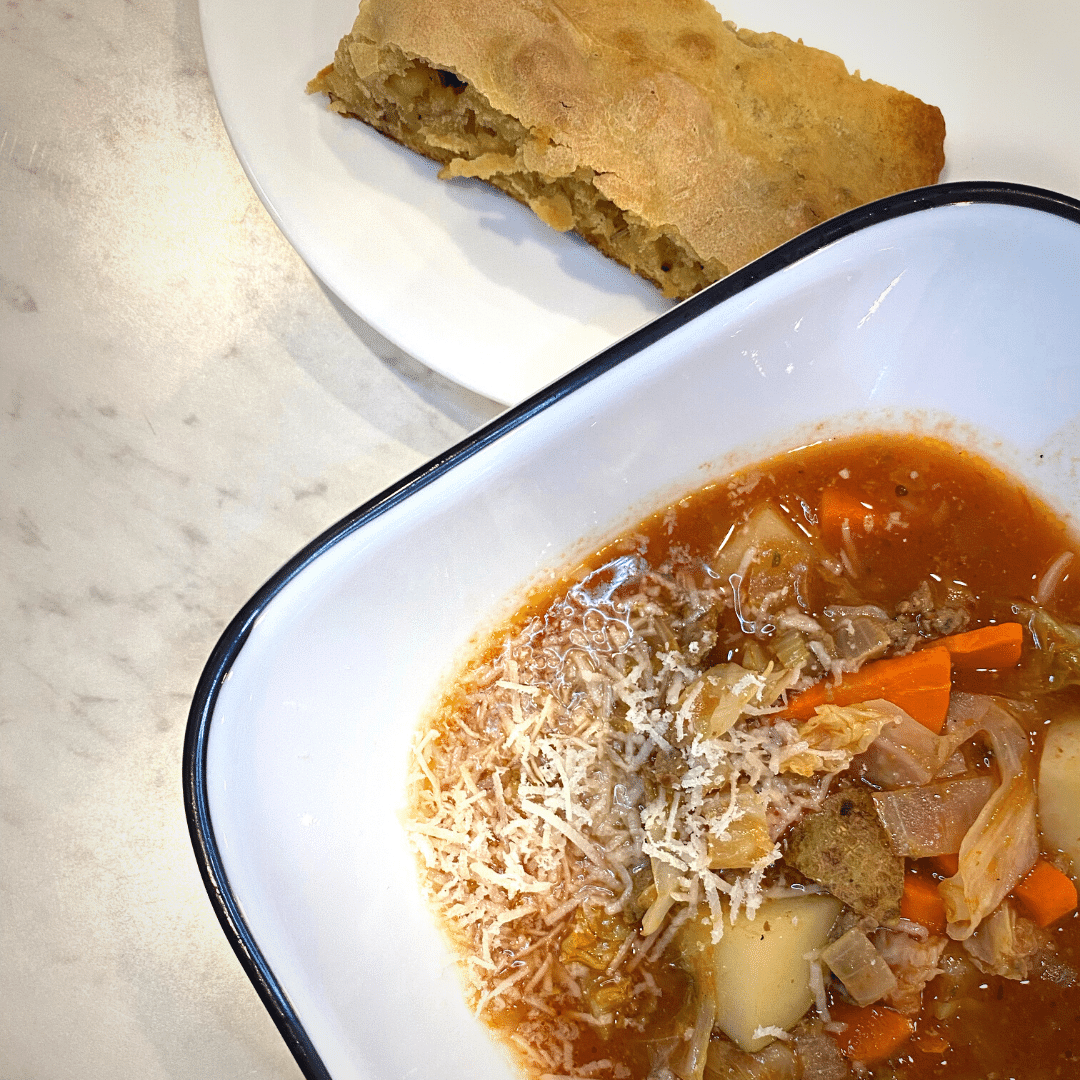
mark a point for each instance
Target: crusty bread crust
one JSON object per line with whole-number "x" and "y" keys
{"x": 670, "y": 139}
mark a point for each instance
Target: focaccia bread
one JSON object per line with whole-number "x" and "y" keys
{"x": 671, "y": 140}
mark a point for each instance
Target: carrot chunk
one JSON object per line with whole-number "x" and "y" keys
{"x": 922, "y": 903}
{"x": 873, "y": 1033}
{"x": 1046, "y": 893}
{"x": 919, "y": 683}
{"x": 839, "y": 507}
{"x": 996, "y": 646}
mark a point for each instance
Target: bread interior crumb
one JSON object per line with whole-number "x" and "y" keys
{"x": 435, "y": 113}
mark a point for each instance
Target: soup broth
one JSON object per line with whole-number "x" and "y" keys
{"x": 759, "y": 790}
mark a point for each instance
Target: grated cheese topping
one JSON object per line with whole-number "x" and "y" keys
{"x": 573, "y": 776}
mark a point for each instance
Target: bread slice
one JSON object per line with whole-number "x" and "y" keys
{"x": 671, "y": 140}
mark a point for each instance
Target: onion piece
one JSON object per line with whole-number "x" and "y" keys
{"x": 906, "y": 752}
{"x": 1005, "y": 944}
{"x": 932, "y": 819}
{"x": 855, "y": 961}
{"x": 765, "y": 560}
{"x": 727, "y": 1062}
{"x": 954, "y": 766}
{"x": 739, "y": 837}
{"x": 860, "y": 638}
{"x": 841, "y": 611}
{"x": 715, "y": 701}
{"x": 835, "y": 734}
{"x": 1055, "y": 574}
{"x": 914, "y": 963}
{"x": 689, "y": 1062}
{"x": 791, "y": 651}
{"x": 1003, "y": 844}
{"x": 1059, "y": 789}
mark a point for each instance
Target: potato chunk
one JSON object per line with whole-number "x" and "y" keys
{"x": 762, "y": 977}
{"x": 1059, "y": 791}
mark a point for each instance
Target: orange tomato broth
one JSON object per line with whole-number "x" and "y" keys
{"x": 974, "y": 533}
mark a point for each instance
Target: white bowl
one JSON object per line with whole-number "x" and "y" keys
{"x": 953, "y": 310}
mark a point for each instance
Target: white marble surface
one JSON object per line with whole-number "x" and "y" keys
{"x": 182, "y": 406}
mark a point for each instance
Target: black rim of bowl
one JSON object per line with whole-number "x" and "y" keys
{"x": 224, "y": 654}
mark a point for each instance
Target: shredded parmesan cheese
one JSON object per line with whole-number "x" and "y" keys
{"x": 535, "y": 800}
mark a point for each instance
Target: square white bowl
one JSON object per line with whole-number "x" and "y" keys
{"x": 953, "y": 310}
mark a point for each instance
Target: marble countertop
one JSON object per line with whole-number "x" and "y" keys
{"x": 182, "y": 406}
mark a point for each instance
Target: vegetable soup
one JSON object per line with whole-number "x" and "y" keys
{"x": 783, "y": 784}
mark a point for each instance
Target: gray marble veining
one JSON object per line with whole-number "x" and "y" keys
{"x": 182, "y": 406}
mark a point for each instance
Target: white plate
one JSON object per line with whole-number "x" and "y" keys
{"x": 962, "y": 319}
{"x": 473, "y": 285}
